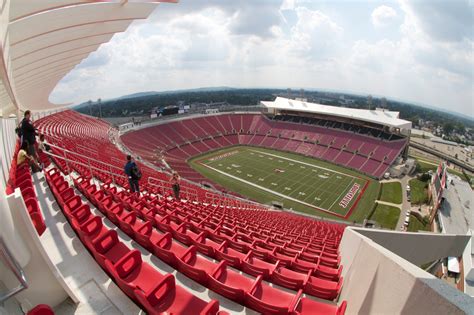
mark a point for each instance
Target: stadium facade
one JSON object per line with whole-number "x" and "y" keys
{"x": 74, "y": 239}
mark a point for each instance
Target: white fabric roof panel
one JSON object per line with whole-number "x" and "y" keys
{"x": 78, "y": 32}
{"x": 55, "y": 20}
{"x": 30, "y": 60}
{"x": 46, "y": 39}
{"x": 386, "y": 118}
{"x": 24, "y": 8}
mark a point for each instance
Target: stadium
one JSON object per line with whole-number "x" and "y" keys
{"x": 272, "y": 211}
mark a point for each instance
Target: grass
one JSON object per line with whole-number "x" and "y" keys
{"x": 418, "y": 191}
{"x": 392, "y": 192}
{"x": 425, "y": 167}
{"x": 301, "y": 183}
{"x": 386, "y": 216}
{"x": 416, "y": 225}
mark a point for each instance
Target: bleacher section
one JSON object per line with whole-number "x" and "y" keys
{"x": 86, "y": 142}
{"x": 20, "y": 177}
{"x": 184, "y": 139}
{"x": 271, "y": 262}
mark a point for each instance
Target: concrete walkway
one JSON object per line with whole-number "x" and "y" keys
{"x": 397, "y": 205}
{"x": 405, "y": 205}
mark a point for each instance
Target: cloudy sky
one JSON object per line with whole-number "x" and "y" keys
{"x": 420, "y": 51}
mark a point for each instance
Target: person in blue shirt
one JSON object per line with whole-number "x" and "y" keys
{"x": 131, "y": 170}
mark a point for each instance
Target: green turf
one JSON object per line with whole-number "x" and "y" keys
{"x": 425, "y": 167}
{"x": 415, "y": 225}
{"x": 386, "y": 216}
{"x": 392, "y": 192}
{"x": 299, "y": 182}
{"x": 418, "y": 191}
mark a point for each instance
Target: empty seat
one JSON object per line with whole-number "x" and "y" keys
{"x": 229, "y": 283}
{"x": 268, "y": 300}
{"x": 307, "y": 306}
{"x": 195, "y": 266}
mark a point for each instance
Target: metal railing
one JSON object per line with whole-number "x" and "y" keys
{"x": 11, "y": 263}
{"x": 114, "y": 172}
{"x": 68, "y": 160}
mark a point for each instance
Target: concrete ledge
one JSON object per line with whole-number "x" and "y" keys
{"x": 377, "y": 281}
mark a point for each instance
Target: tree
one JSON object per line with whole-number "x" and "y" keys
{"x": 448, "y": 127}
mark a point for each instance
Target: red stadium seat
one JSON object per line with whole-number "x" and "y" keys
{"x": 310, "y": 307}
{"x": 195, "y": 266}
{"x": 229, "y": 283}
{"x": 268, "y": 300}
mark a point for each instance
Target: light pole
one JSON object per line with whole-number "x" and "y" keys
{"x": 99, "y": 101}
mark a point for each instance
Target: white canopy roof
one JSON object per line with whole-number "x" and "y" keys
{"x": 43, "y": 40}
{"x": 383, "y": 117}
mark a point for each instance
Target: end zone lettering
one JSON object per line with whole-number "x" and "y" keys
{"x": 349, "y": 196}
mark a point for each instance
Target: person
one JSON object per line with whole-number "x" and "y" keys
{"x": 42, "y": 145}
{"x": 175, "y": 184}
{"x": 133, "y": 173}
{"x": 24, "y": 158}
{"x": 28, "y": 134}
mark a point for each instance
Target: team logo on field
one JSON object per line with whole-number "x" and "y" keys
{"x": 349, "y": 196}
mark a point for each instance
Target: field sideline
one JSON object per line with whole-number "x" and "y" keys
{"x": 299, "y": 182}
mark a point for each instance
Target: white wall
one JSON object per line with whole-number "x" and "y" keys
{"x": 8, "y": 139}
{"x": 376, "y": 281}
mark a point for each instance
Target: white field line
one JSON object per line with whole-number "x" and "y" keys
{"x": 314, "y": 166}
{"x": 338, "y": 198}
{"x": 260, "y": 187}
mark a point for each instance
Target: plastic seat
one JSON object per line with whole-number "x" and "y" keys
{"x": 108, "y": 247}
{"x": 255, "y": 266}
{"x": 130, "y": 273}
{"x": 229, "y": 283}
{"x": 91, "y": 230}
{"x": 290, "y": 279}
{"x": 281, "y": 255}
{"x": 72, "y": 205}
{"x": 115, "y": 213}
{"x": 184, "y": 234}
{"x": 205, "y": 245}
{"x": 167, "y": 298}
{"x": 328, "y": 273}
{"x": 269, "y": 300}
{"x": 127, "y": 223}
{"x": 307, "y": 306}
{"x": 41, "y": 309}
{"x": 322, "y": 288}
{"x": 233, "y": 257}
{"x": 80, "y": 216}
{"x": 146, "y": 235}
{"x": 195, "y": 266}
{"x": 167, "y": 250}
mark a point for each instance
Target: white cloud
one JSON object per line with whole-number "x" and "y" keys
{"x": 212, "y": 43}
{"x": 383, "y": 15}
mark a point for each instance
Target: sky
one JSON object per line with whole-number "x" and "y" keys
{"x": 419, "y": 51}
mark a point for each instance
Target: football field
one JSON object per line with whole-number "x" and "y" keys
{"x": 298, "y": 182}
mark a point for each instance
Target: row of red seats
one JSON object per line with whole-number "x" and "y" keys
{"x": 155, "y": 292}
{"x": 200, "y": 269}
{"x": 20, "y": 177}
{"x": 313, "y": 235}
{"x": 84, "y": 135}
{"x": 180, "y": 140}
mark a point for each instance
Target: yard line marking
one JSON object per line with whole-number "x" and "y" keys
{"x": 343, "y": 191}
{"x": 308, "y": 164}
{"x": 271, "y": 191}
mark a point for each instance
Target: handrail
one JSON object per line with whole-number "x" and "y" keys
{"x": 91, "y": 168}
{"x": 11, "y": 263}
{"x": 150, "y": 178}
